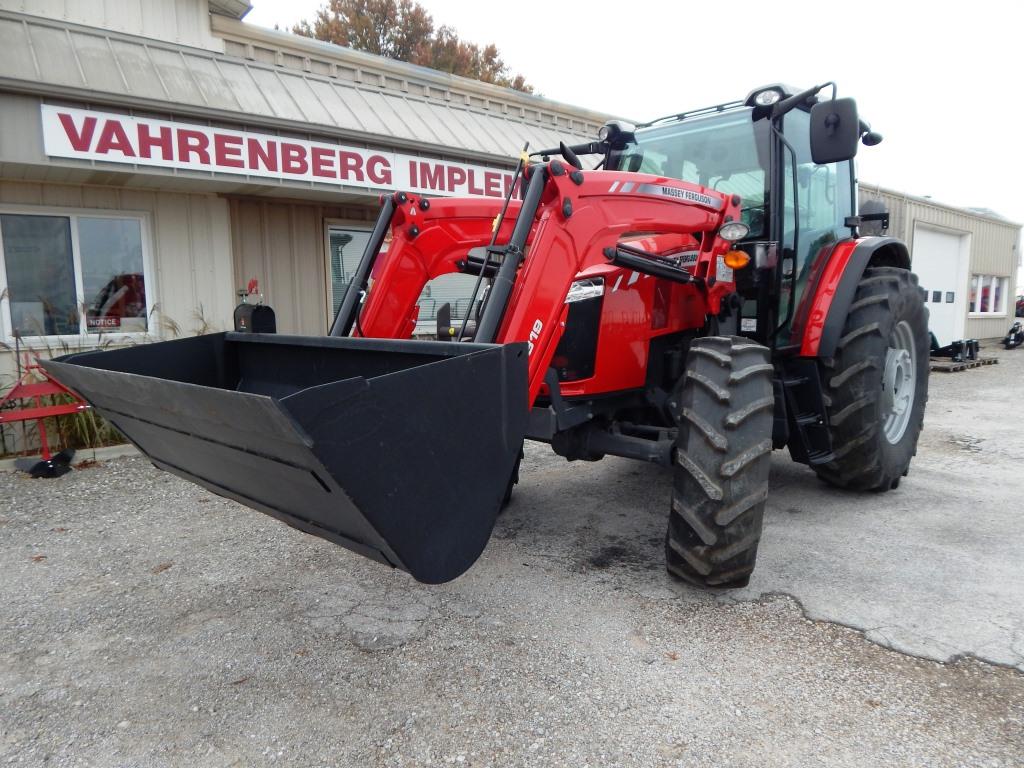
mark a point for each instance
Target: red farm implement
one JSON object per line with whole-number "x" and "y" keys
{"x": 25, "y": 402}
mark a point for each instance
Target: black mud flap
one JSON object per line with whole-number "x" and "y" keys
{"x": 398, "y": 450}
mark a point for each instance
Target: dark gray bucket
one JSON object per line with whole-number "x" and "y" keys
{"x": 397, "y": 450}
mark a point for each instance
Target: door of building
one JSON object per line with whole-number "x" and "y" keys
{"x": 940, "y": 261}
{"x": 345, "y": 246}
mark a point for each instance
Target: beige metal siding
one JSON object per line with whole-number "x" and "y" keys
{"x": 190, "y": 248}
{"x": 990, "y": 328}
{"x": 177, "y": 21}
{"x": 995, "y": 245}
{"x": 141, "y": 73}
{"x": 283, "y": 245}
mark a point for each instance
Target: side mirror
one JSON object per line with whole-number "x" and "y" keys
{"x": 835, "y": 131}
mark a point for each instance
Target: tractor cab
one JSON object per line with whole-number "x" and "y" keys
{"x": 789, "y": 157}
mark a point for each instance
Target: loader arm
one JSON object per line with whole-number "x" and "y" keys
{"x": 575, "y": 219}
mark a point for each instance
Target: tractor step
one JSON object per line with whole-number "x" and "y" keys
{"x": 807, "y": 433}
{"x": 806, "y": 419}
{"x": 817, "y": 458}
{"x": 398, "y": 450}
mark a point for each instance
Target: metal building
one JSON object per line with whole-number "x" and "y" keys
{"x": 157, "y": 154}
{"x": 966, "y": 261}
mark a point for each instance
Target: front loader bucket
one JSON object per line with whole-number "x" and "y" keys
{"x": 397, "y": 450}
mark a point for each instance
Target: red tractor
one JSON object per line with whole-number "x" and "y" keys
{"x": 699, "y": 298}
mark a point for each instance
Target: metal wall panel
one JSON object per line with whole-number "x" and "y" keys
{"x": 176, "y": 77}
{"x": 17, "y": 59}
{"x": 282, "y": 244}
{"x": 101, "y": 69}
{"x": 995, "y": 245}
{"x": 215, "y": 88}
{"x": 55, "y": 56}
{"x": 994, "y": 241}
{"x": 178, "y": 21}
{"x": 139, "y": 71}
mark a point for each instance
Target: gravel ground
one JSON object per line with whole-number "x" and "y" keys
{"x": 147, "y": 623}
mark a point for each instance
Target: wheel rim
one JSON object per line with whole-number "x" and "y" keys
{"x": 899, "y": 382}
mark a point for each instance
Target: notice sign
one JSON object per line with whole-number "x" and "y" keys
{"x": 103, "y": 323}
{"x": 91, "y": 135}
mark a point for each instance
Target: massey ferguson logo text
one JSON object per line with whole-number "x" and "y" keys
{"x": 686, "y": 194}
{"x": 680, "y": 194}
{"x": 87, "y": 134}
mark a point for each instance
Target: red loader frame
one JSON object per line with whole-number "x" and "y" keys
{"x": 569, "y": 226}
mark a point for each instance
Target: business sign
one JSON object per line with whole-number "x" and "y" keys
{"x": 90, "y": 135}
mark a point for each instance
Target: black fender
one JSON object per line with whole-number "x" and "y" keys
{"x": 867, "y": 252}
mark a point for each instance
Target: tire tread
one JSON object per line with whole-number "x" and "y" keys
{"x": 720, "y": 487}
{"x": 862, "y": 457}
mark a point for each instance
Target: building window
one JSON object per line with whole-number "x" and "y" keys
{"x": 345, "y": 246}
{"x": 67, "y": 275}
{"x": 988, "y": 295}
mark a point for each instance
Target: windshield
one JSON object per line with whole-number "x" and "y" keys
{"x": 725, "y": 152}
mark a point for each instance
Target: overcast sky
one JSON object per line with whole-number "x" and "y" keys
{"x": 941, "y": 82}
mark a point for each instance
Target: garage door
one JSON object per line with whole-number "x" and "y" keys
{"x": 940, "y": 260}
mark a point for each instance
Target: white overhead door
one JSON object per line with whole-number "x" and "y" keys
{"x": 940, "y": 261}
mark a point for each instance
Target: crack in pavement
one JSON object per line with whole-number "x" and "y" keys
{"x": 871, "y": 633}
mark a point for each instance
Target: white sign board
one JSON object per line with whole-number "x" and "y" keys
{"x": 112, "y": 138}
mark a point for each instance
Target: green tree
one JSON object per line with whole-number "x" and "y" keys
{"x": 403, "y": 30}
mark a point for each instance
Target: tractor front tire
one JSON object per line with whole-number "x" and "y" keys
{"x": 876, "y": 386}
{"x": 724, "y": 409}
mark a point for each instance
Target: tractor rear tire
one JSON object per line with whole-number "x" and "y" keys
{"x": 724, "y": 408}
{"x": 876, "y": 386}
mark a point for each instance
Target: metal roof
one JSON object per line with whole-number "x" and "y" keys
{"x": 985, "y": 214}
{"x": 236, "y": 9}
{"x": 343, "y": 95}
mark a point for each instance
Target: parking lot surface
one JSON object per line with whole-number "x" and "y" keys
{"x": 145, "y": 622}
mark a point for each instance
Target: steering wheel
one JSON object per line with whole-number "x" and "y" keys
{"x": 569, "y": 155}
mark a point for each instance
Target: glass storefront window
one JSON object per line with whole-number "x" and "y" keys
{"x": 112, "y": 274}
{"x": 65, "y": 275}
{"x": 40, "y": 275}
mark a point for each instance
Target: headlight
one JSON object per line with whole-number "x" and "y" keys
{"x": 733, "y": 231}
{"x": 767, "y": 98}
{"x": 589, "y": 288}
{"x": 602, "y": 133}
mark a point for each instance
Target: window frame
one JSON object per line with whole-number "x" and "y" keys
{"x": 976, "y": 282}
{"x": 336, "y": 223}
{"x": 83, "y": 339}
